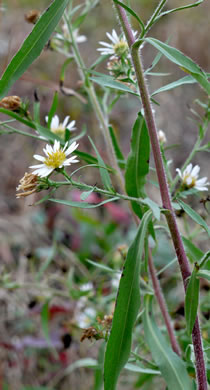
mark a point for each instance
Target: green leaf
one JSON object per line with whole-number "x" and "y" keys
{"x": 170, "y": 364}
{"x": 191, "y": 301}
{"x": 85, "y": 194}
{"x": 183, "y": 61}
{"x": 102, "y": 266}
{"x": 204, "y": 259}
{"x": 33, "y": 45}
{"x": 138, "y": 368}
{"x": 83, "y": 205}
{"x": 103, "y": 171}
{"x": 86, "y": 157}
{"x": 154, "y": 63}
{"x": 204, "y": 273}
{"x": 117, "y": 150}
{"x": 107, "y": 81}
{"x": 86, "y": 362}
{"x": 36, "y": 111}
{"x": 47, "y": 134}
{"x": 126, "y": 309}
{"x": 170, "y": 11}
{"x": 195, "y": 216}
{"x": 153, "y": 206}
{"x": 137, "y": 166}
{"x": 98, "y": 380}
{"x": 175, "y": 84}
{"x": 52, "y": 109}
{"x": 18, "y": 117}
{"x": 46, "y": 197}
{"x": 192, "y": 250}
{"x": 204, "y": 148}
{"x": 45, "y": 319}
{"x": 131, "y": 12}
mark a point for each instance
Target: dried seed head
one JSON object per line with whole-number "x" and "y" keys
{"x": 28, "y": 184}
{"x": 32, "y": 16}
{"x": 11, "y": 103}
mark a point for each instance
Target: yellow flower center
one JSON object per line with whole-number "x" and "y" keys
{"x": 121, "y": 48}
{"x": 55, "y": 159}
{"x": 193, "y": 181}
{"x": 60, "y": 131}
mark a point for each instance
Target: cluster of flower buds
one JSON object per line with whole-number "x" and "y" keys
{"x": 119, "y": 64}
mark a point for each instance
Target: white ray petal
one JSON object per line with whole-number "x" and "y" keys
{"x": 38, "y": 157}
{"x": 65, "y": 121}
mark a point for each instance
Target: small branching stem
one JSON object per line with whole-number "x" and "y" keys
{"x": 165, "y": 195}
{"x": 162, "y": 304}
{"x": 96, "y": 107}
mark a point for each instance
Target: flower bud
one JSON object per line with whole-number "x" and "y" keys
{"x": 32, "y": 16}
{"x": 162, "y": 137}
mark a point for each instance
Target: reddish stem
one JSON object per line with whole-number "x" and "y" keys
{"x": 161, "y": 301}
{"x": 165, "y": 195}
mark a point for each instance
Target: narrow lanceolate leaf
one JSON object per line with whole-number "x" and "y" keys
{"x": 52, "y": 109}
{"x": 83, "y": 205}
{"x": 117, "y": 150}
{"x": 17, "y": 117}
{"x": 103, "y": 170}
{"x": 171, "y": 366}
{"x": 204, "y": 273}
{"x": 183, "y": 61}
{"x": 204, "y": 260}
{"x": 131, "y": 12}
{"x": 193, "y": 252}
{"x": 33, "y": 45}
{"x": 178, "y": 9}
{"x": 137, "y": 166}
{"x": 107, "y": 81}
{"x": 192, "y": 300}
{"x": 195, "y": 216}
{"x": 45, "y": 319}
{"x": 175, "y": 84}
{"x": 47, "y": 134}
{"x": 126, "y": 309}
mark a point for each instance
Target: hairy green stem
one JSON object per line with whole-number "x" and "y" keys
{"x": 97, "y": 108}
{"x": 170, "y": 216}
{"x": 154, "y": 15}
{"x": 86, "y": 187}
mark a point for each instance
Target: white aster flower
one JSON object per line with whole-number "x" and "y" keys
{"x": 56, "y": 157}
{"x": 118, "y": 45}
{"x": 116, "y": 280}
{"x": 86, "y": 317}
{"x": 86, "y": 287}
{"x": 59, "y": 128}
{"x": 189, "y": 178}
{"x": 78, "y": 38}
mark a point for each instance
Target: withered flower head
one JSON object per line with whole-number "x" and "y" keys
{"x": 28, "y": 184}
{"x": 106, "y": 322}
{"x": 32, "y": 16}
{"x": 90, "y": 333}
{"x": 11, "y": 102}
